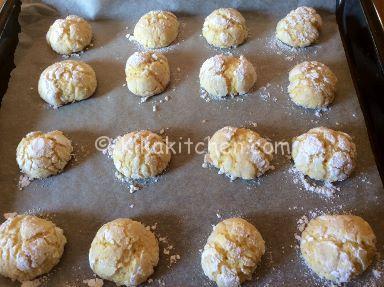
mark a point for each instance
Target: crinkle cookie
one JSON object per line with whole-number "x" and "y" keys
{"x": 156, "y": 29}
{"x": 67, "y": 82}
{"x": 300, "y": 28}
{"x": 124, "y": 251}
{"x": 141, "y": 154}
{"x": 338, "y": 247}
{"x": 239, "y": 152}
{"x": 40, "y": 155}
{"x": 29, "y": 247}
{"x": 312, "y": 85}
{"x": 224, "y": 75}
{"x": 225, "y": 28}
{"x": 324, "y": 154}
{"x": 232, "y": 253}
{"x": 147, "y": 73}
{"x": 69, "y": 35}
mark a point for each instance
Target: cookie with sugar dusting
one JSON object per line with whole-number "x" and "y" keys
{"x": 40, "y": 155}
{"x": 312, "y": 85}
{"x": 223, "y": 75}
{"x": 324, "y": 154}
{"x": 139, "y": 155}
{"x": 70, "y": 35}
{"x": 232, "y": 252}
{"x": 124, "y": 251}
{"x": 29, "y": 247}
{"x": 225, "y": 28}
{"x": 67, "y": 82}
{"x": 239, "y": 152}
{"x": 338, "y": 247}
{"x": 300, "y": 28}
{"x": 147, "y": 73}
{"x": 156, "y": 29}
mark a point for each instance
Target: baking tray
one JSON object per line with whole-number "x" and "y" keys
{"x": 187, "y": 199}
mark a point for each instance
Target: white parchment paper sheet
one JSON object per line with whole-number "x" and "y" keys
{"x": 187, "y": 199}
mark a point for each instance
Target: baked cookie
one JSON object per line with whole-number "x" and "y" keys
{"x": 69, "y": 35}
{"x": 40, "y": 155}
{"x": 312, "y": 85}
{"x": 300, "y": 28}
{"x": 29, "y": 247}
{"x": 124, "y": 251}
{"x": 338, "y": 247}
{"x": 232, "y": 253}
{"x": 224, "y": 75}
{"x": 141, "y": 154}
{"x": 67, "y": 82}
{"x": 239, "y": 152}
{"x": 156, "y": 29}
{"x": 147, "y": 73}
{"x": 225, "y": 28}
{"x": 324, "y": 154}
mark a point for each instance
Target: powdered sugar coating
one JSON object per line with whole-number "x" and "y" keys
{"x": 223, "y": 75}
{"x": 67, "y": 82}
{"x": 338, "y": 247}
{"x": 225, "y": 28}
{"x": 324, "y": 154}
{"x": 232, "y": 253}
{"x": 239, "y": 152}
{"x": 41, "y": 155}
{"x": 147, "y": 73}
{"x": 156, "y": 29}
{"x": 124, "y": 251}
{"x": 69, "y": 35}
{"x": 312, "y": 85}
{"x": 29, "y": 247}
{"x": 141, "y": 154}
{"x": 300, "y": 28}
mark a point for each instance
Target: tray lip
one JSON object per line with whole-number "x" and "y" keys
{"x": 372, "y": 18}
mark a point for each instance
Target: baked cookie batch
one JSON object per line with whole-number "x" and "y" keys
{"x": 335, "y": 247}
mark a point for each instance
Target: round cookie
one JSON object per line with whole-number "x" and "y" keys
{"x": 300, "y": 28}
{"x": 29, "y": 247}
{"x": 324, "y": 154}
{"x": 147, "y": 73}
{"x": 312, "y": 85}
{"x": 67, "y": 82}
{"x": 338, "y": 247}
{"x": 239, "y": 152}
{"x": 124, "y": 251}
{"x": 40, "y": 155}
{"x": 225, "y": 28}
{"x": 156, "y": 29}
{"x": 232, "y": 253}
{"x": 141, "y": 154}
{"x": 224, "y": 75}
{"x": 69, "y": 35}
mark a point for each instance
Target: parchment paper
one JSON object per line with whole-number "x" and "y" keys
{"x": 187, "y": 199}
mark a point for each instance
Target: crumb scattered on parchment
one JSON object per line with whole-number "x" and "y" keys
{"x": 328, "y": 189}
{"x": 167, "y": 249}
{"x": 133, "y": 188}
{"x": 95, "y": 282}
{"x": 24, "y": 181}
{"x": 301, "y": 224}
{"x": 35, "y": 283}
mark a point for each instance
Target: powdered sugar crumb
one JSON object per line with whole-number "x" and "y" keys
{"x": 95, "y": 282}
{"x": 328, "y": 189}
{"x": 24, "y": 181}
